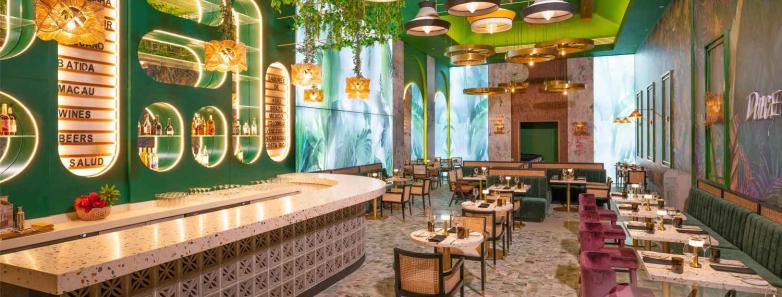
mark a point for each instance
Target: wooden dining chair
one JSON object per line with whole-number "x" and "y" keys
{"x": 459, "y": 188}
{"x": 419, "y": 172}
{"x": 602, "y": 191}
{"x": 476, "y": 224}
{"x": 508, "y": 198}
{"x": 495, "y": 232}
{"x": 422, "y": 189}
{"x": 434, "y": 174}
{"x": 423, "y": 275}
{"x": 636, "y": 177}
{"x": 400, "y": 198}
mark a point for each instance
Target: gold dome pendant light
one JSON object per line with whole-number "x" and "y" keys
{"x": 471, "y": 7}
{"x": 568, "y": 46}
{"x": 70, "y": 21}
{"x": 427, "y": 22}
{"x": 548, "y": 11}
{"x": 469, "y": 54}
{"x": 227, "y": 54}
{"x": 500, "y": 20}
{"x": 530, "y": 55}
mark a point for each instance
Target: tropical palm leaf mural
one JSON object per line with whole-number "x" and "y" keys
{"x": 416, "y": 122}
{"x": 469, "y": 114}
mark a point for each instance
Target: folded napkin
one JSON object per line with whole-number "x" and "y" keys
{"x": 651, "y": 260}
{"x": 636, "y": 227}
{"x": 622, "y": 207}
{"x": 732, "y": 268}
{"x": 691, "y": 231}
{"x": 437, "y": 238}
{"x": 484, "y": 205}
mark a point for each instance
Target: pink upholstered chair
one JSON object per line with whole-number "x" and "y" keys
{"x": 588, "y": 200}
{"x": 621, "y": 257}
{"x": 598, "y": 279}
{"x": 618, "y": 236}
{"x": 610, "y": 231}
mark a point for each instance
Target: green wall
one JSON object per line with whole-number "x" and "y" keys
{"x": 45, "y": 187}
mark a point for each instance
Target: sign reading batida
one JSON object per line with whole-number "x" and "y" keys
{"x": 760, "y": 107}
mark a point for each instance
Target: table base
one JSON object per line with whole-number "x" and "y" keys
{"x": 374, "y": 216}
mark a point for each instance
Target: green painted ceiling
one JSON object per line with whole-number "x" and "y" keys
{"x": 625, "y": 22}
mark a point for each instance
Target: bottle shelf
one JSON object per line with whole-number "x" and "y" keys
{"x": 160, "y": 152}
{"x": 209, "y": 150}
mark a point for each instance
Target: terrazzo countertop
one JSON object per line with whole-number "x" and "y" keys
{"x": 68, "y": 266}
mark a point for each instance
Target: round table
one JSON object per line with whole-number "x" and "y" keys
{"x": 422, "y": 237}
{"x": 507, "y": 209}
{"x": 400, "y": 181}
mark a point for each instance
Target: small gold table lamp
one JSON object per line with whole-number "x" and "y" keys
{"x": 696, "y": 244}
{"x": 660, "y": 219}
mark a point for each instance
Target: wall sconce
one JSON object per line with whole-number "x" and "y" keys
{"x": 713, "y": 108}
{"x": 70, "y": 21}
{"x": 580, "y": 128}
{"x": 499, "y": 127}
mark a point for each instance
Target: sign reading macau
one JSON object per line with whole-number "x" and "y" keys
{"x": 88, "y": 100}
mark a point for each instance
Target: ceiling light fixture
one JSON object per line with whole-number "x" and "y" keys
{"x": 469, "y": 54}
{"x": 514, "y": 86}
{"x": 568, "y": 46}
{"x": 500, "y": 20}
{"x": 548, "y": 11}
{"x": 487, "y": 91}
{"x": 70, "y": 21}
{"x": 471, "y": 7}
{"x": 427, "y": 22}
{"x": 530, "y": 55}
{"x": 561, "y": 86}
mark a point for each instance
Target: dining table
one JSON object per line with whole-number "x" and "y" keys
{"x": 725, "y": 275}
{"x": 651, "y": 213}
{"x": 444, "y": 243}
{"x": 515, "y": 189}
{"x": 490, "y": 205}
{"x": 619, "y": 198}
{"x": 671, "y": 234}
{"x": 480, "y": 179}
{"x": 568, "y": 182}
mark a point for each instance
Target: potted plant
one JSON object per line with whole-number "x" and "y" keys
{"x": 96, "y": 206}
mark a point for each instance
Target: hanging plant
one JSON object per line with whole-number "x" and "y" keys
{"x": 227, "y": 54}
{"x": 308, "y": 73}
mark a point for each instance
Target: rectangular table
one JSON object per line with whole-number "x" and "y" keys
{"x": 665, "y": 237}
{"x": 704, "y": 276}
{"x": 622, "y": 200}
{"x": 568, "y": 183}
{"x": 514, "y": 189}
{"x": 646, "y": 214}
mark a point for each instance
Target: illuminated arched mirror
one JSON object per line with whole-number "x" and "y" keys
{"x": 17, "y": 27}
{"x": 278, "y": 118}
{"x": 172, "y": 58}
{"x": 208, "y": 129}
{"x": 206, "y": 12}
{"x": 414, "y": 120}
{"x": 18, "y": 137}
{"x": 160, "y": 137}
{"x": 248, "y": 85}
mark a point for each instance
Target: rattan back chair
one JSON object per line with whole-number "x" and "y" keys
{"x": 423, "y": 275}
{"x": 636, "y": 177}
{"x": 493, "y": 230}
{"x": 400, "y": 198}
{"x": 460, "y": 189}
{"x": 423, "y": 190}
{"x": 473, "y": 224}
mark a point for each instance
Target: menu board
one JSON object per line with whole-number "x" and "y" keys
{"x": 88, "y": 100}
{"x": 277, "y": 117}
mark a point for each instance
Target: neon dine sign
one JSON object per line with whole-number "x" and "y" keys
{"x": 766, "y": 107}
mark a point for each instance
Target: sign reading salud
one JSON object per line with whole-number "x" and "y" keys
{"x": 88, "y": 100}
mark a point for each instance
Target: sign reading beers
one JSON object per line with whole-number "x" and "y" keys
{"x": 88, "y": 100}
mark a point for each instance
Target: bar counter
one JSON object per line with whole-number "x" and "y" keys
{"x": 290, "y": 245}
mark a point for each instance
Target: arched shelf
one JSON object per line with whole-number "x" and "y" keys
{"x": 18, "y": 137}
{"x": 206, "y": 12}
{"x": 172, "y": 58}
{"x": 209, "y": 132}
{"x": 17, "y": 27}
{"x": 247, "y": 93}
{"x": 278, "y": 117}
{"x": 160, "y": 137}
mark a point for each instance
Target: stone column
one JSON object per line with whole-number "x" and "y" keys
{"x": 431, "y": 90}
{"x": 500, "y": 110}
{"x": 581, "y": 146}
{"x": 401, "y": 143}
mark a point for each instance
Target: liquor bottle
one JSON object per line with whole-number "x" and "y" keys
{"x": 4, "y": 130}
{"x": 158, "y": 126}
{"x": 153, "y": 159}
{"x": 246, "y": 128}
{"x": 236, "y": 128}
{"x": 12, "y": 127}
{"x": 143, "y": 156}
{"x": 147, "y": 127}
{"x": 200, "y": 125}
{"x": 210, "y": 126}
{"x": 254, "y": 128}
{"x": 169, "y": 128}
{"x": 138, "y": 128}
{"x": 193, "y": 127}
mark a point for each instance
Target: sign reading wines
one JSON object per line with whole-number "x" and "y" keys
{"x": 88, "y": 100}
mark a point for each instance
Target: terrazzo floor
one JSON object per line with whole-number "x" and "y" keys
{"x": 542, "y": 261}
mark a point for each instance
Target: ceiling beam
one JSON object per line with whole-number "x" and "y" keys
{"x": 587, "y": 6}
